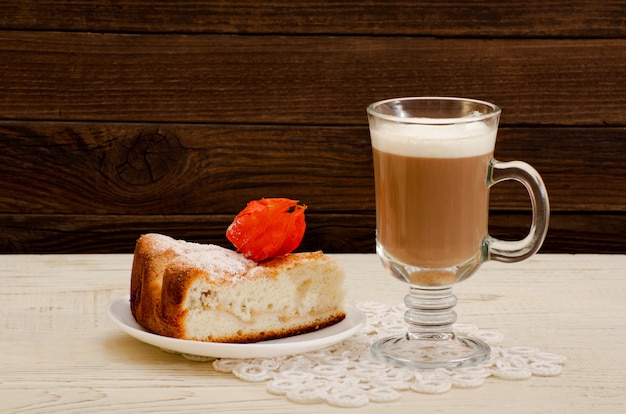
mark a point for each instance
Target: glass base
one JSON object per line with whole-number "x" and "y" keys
{"x": 447, "y": 351}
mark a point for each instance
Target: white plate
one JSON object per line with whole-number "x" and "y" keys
{"x": 119, "y": 312}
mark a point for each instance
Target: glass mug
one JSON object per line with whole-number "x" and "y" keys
{"x": 433, "y": 167}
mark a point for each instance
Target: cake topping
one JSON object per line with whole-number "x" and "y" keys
{"x": 267, "y": 228}
{"x": 214, "y": 259}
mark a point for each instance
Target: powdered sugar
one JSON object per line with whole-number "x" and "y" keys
{"x": 216, "y": 260}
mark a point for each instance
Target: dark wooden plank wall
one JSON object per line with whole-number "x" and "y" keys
{"x": 123, "y": 117}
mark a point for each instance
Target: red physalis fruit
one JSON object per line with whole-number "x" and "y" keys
{"x": 268, "y": 227}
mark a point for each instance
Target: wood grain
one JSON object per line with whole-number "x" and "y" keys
{"x": 309, "y": 80}
{"x": 94, "y": 187}
{"x": 182, "y": 169}
{"x": 123, "y": 117}
{"x": 149, "y": 169}
{"x": 61, "y": 353}
{"x": 532, "y": 18}
{"x": 354, "y": 233}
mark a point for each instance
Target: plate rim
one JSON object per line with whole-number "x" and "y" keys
{"x": 353, "y": 322}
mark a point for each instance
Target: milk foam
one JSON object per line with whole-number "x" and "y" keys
{"x": 434, "y": 141}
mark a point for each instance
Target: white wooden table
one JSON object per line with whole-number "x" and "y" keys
{"x": 59, "y": 352}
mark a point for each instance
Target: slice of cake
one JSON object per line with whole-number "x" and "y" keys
{"x": 208, "y": 293}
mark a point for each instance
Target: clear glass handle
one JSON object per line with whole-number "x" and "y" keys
{"x": 515, "y": 251}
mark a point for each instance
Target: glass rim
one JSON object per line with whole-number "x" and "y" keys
{"x": 494, "y": 111}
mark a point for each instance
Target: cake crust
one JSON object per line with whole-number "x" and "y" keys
{"x": 208, "y": 293}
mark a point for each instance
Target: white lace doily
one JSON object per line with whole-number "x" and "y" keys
{"x": 346, "y": 375}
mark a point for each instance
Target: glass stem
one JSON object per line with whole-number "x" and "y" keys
{"x": 430, "y": 313}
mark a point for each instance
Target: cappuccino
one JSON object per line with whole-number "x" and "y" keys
{"x": 432, "y": 197}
